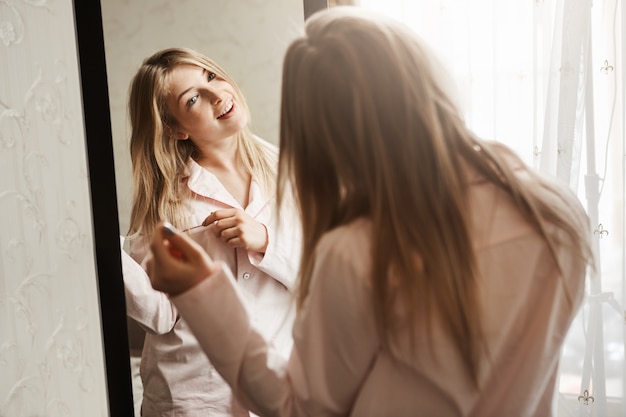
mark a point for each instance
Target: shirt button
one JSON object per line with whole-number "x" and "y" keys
{"x": 246, "y": 275}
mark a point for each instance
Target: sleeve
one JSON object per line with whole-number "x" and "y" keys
{"x": 282, "y": 256}
{"x": 334, "y": 343}
{"x": 151, "y": 309}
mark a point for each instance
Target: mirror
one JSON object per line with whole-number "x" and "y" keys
{"x": 247, "y": 39}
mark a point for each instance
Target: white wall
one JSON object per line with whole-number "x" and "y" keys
{"x": 51, "y": 358}
{"x": 247, "y": 38}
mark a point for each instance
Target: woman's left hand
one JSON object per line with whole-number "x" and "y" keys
{"x": 238, "y": 229}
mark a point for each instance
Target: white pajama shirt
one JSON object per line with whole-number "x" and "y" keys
{"x": 178, "y": 379}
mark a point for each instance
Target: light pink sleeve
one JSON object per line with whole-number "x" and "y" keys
{"x": 150, "y": 308}
{"x": 334, "y": 340}
{"x": 282, "y": 256}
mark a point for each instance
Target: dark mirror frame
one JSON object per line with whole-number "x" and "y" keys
{"x": 101, "y": 168}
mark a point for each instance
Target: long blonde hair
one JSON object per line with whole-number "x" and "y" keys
{"x": 159, "y": 159}
{"x": 368, "y": 129}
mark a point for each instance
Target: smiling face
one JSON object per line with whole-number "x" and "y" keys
{"x": 206, "y": 107}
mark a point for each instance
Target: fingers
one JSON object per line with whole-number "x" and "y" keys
{"x": 220, "y": 226}
{"x": 227, "y": 224}
{"x": 177, "y": 261}
{"x": 161, "y": 247}
{"x": 180, "y": 245}
{"x": 237, "y": 229}
{"x": 165, "y": 258}
{"x": 209, "y": 219}
{"x": 219, "y": 215}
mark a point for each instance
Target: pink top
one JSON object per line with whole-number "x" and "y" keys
{"x": 337, "y": 367}
{"x": 178, "y": 380}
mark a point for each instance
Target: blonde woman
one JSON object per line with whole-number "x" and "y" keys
{"x": 196, "y": 163}
{"x": 439, "y": 274}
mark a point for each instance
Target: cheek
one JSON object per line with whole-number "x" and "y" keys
{"x": 243, "y": 120}
{"x": 195, "y": 121}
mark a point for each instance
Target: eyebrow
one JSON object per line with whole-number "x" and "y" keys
{"x": 190, "y": 88}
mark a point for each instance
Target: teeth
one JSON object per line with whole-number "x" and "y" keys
{"x": 227, "y": 109}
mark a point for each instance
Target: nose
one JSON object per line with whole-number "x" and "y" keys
{"x": 215, "y": 98}
{"x": 215, "y": 95}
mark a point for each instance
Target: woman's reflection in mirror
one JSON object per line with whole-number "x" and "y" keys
{"x": 196, "y": 162}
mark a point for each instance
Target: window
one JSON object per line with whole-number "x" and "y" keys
{"x": 546, "y": 78}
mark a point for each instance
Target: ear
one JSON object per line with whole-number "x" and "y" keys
{"x": 180, "y": 135}
{"x": 177, "y": 134}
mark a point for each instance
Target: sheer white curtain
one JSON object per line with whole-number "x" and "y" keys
{"x": 546, "y": 77}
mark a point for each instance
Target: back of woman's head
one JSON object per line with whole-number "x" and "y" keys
{"x": 158, "y": 157}
{"x": 368, "y": 129}
{"x": 364, "y": 114}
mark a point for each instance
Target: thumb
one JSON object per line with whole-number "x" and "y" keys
{"x": 178, "y": 263}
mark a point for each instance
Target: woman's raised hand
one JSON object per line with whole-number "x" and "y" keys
{"x": 177, "y": 263}
{"x": 238, "y": 229}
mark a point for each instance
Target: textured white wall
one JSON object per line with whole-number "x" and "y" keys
{"x": 51, "y": 359}
{"x": 247, "y": 38}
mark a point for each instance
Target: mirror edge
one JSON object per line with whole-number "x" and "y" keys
{"x": 101, "y": 172}
{"x": 312, "y": 6}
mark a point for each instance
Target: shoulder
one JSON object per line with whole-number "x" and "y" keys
{"x": 191, "y": 170}
{"x": 358, "y": 228}
{"x": 139, "y": 248}
{"x": 346, "y": 247}
{"x": 341, "y": 271}
{"x": 548, "y": 188}
{"x": 268, "y": 146}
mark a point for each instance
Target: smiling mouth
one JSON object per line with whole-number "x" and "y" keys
{"x": 227, "y": 109}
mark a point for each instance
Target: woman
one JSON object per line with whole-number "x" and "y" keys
{"x": 439, "y": 274}
{"x": 196, "y": 162}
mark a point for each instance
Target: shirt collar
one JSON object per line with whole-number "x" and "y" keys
{"x": 204, "y": 183}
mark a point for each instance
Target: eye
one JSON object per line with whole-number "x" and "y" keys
{"x": 192, "y": 101}
{"x": 210, "y": 76}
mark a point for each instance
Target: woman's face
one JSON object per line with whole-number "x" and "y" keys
{"x": 207, "y": 108}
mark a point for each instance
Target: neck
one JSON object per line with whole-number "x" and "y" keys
{"x": 219, "y": 155}
{"x": 221, "y": 159}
